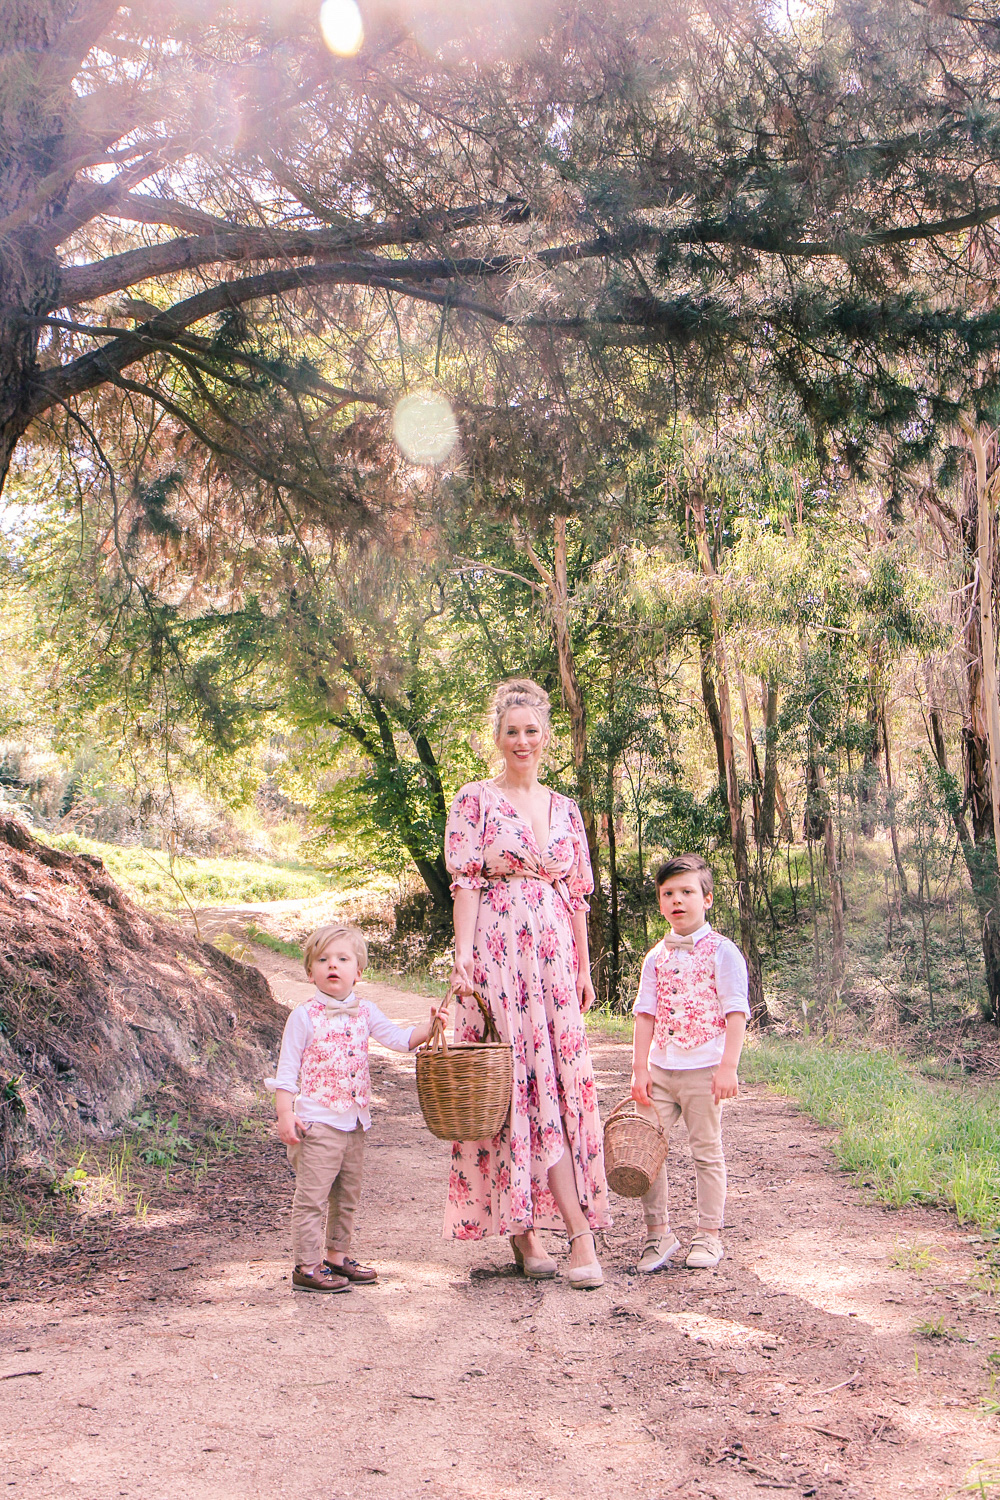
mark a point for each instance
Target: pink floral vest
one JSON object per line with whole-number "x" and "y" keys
{"x": 688, "y": 1009}
{"x": 334, "y": 1066}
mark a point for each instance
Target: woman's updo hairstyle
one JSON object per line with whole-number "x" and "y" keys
{"x": 519, "y": 692}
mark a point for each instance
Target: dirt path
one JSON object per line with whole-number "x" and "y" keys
{"x": 178, "y": 1362}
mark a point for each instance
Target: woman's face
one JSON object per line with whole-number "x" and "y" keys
{"x": 522, "y": 740}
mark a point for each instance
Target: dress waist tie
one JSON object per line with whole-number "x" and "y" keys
{"x": 555, "y": 881}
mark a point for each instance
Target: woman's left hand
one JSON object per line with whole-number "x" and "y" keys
{"x": 585, "y": 992}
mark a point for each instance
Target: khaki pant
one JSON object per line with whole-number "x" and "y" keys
{"x": 327, "y": 1163}
{"x": 687, "y": 1093}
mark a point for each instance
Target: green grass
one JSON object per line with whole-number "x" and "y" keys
{"x": 146, "y": 875}
{"x": 908, "y": 1139}
{"x": 263, "y": 939}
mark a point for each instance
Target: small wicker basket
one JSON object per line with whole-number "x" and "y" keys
{"x": 634, "y": 1150}
{"x": 465, "y": 1091}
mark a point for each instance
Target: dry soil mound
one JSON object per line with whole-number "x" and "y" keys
{"x": 101, "y": 1003}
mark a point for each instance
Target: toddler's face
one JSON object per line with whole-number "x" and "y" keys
{"x": 683, "y": 902}
{"x": 335, "y": 970}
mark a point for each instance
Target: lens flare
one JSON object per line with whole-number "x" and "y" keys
{"x": 342, "y": 27}
{"x": 424, "y": 427}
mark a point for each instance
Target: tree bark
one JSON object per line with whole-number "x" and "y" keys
{"x": 36, "y": 105}
{"x": 980, "y": 798}
{"x": 833, "y": 873}
{"x": 556, "y": 581}
{"x": 753, "y": 764}
{"x": 711, "y": 702}
{"x": 759, "y": 1014}
{"x": 773, "y": 797}
{"x": 883, "y": 717}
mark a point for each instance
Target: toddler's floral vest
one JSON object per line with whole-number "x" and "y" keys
{"x": 334, "y": 1066}
{"x": 688, "y": 1009}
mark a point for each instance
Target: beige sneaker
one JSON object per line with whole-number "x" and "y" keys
{"x": 706, "y": 1251}
{"x": 657, "y": 1251}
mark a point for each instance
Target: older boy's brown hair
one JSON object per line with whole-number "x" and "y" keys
{"x": 321, "y": 939}
{"x": 680, "y": 865}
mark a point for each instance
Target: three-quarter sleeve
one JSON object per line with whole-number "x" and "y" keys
{"x": 463, "y": 840}
{"x": 580, "y": 879}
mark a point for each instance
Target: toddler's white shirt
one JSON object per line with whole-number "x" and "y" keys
{"x": 732, "y": 985}
{"x": 295, "y": 1038}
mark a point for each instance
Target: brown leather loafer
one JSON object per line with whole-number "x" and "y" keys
{"x": 323, "y": 1279}
{"x": 353, "y": 1271}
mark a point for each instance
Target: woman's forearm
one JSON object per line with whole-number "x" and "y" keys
{"x": 466, "y": 910}
{"x": 582, "y": 943}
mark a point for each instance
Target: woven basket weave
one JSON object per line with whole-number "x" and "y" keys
{"x": 465, "y": 1091}
{"x": 634, "y": 1150}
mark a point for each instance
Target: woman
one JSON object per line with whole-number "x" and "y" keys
{"x": 521, "y": 875}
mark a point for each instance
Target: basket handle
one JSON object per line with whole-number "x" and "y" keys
{"x": 641, "y": 1111}
{"x": 437, "y": 1040}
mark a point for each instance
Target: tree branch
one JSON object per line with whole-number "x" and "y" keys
{"x": 232, "y": 244}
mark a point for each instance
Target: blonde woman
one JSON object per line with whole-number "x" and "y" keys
{"x": 521, "y": 874}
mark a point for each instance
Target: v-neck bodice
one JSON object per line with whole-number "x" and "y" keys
{"x": 487, "y": 839}
{"x": 513, "y": 810}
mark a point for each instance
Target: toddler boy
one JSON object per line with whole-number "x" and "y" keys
{"x": 322, "y": 1091}
{"x": 691, "y": 1014}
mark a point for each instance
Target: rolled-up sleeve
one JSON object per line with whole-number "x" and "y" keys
{"x": 731, "y": 978}
{"x": 295, "y": 1038}
{"x": 463, "y": 840}
{"x": 396, "y": 1038}
{"x": 645, "y": 999}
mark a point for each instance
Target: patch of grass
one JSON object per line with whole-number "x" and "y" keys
{"x": 146, "y": 875}
{"x": 936, "y": 1330}
{"x": 264, "y": 939}
{"x": 422, "y": 981}
{"x": 602, "y": 1022}
{"x": 911, "y": 1257}
{"x": 908, "y": 1139}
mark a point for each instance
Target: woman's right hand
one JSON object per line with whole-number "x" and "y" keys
{"x": 461, "y": 976}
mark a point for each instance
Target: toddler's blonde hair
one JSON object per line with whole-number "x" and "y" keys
{"x": 320, "y": 940}
{"x": 519, "y": 692}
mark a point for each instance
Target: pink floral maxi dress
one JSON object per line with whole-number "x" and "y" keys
{"x": 525, "y": 966}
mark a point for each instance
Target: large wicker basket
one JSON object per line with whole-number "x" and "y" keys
{"x": 465, "y": 1091}
{"x": 634, "y": 1150}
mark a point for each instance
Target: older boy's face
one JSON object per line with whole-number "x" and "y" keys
{"x": 335, "y": 970}
{"x": 684, "y": 903}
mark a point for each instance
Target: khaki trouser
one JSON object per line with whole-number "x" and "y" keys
{"x": 687, "y": 1093}
{"x": 327, "y": 1163}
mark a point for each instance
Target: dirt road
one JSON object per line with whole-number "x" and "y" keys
{"x": 178, "y": 1362}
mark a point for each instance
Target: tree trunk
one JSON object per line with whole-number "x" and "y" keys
{"x": 773, "y": 798}
{"x": 759, "y": 1015}
{"x": 980, "y": 854}
{"x": 869, "y": 766}
{"x": 711, "y": 702}
{"x": 614, "y": 969}
{"x": 753, "y": 764}
{"x": 29, "y": 271}
{"x": 556, "y": 580}
{"x": 833, "y": 872}
{"x": 769, "y": 704}
{"x": 890, "y": 799}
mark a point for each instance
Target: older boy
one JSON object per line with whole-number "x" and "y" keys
{"x": 322, "y": 1091}
{"x": 691, "y": 1014}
